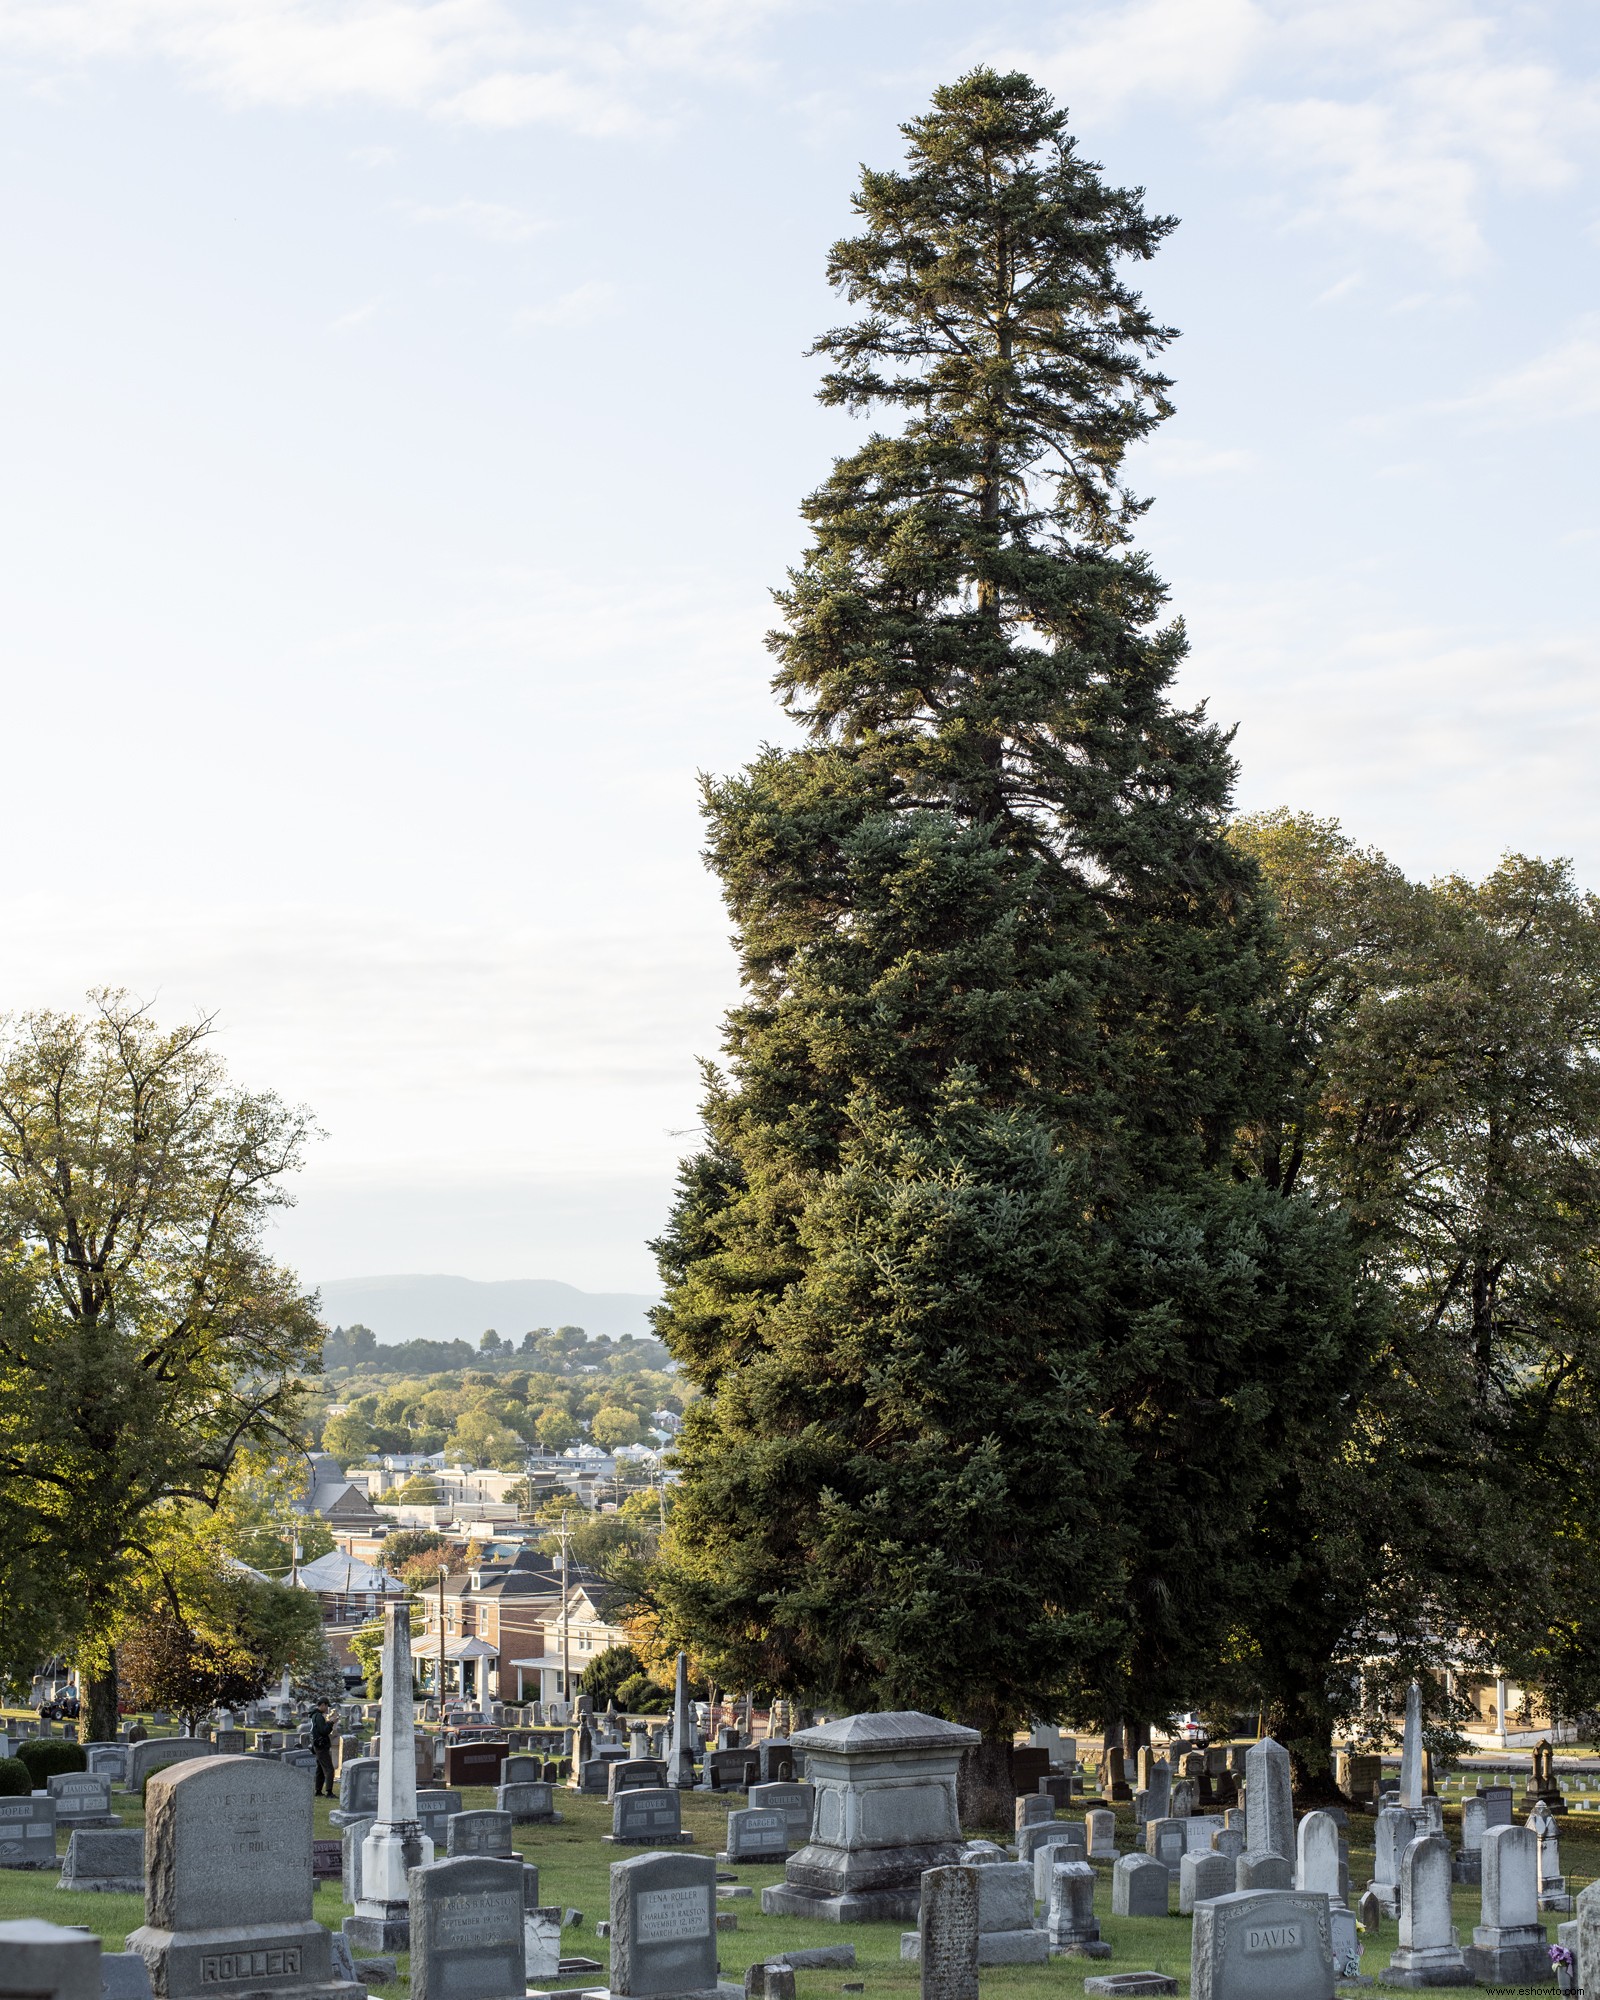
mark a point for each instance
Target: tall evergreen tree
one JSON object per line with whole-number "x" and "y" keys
{"x": 983, "y": 1326}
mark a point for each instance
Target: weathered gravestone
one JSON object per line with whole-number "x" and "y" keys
{"x": 1070, "y": 1921}
{"x": 1033, "y": 1809}
{"x": 1198, "y": 1829}
{"x": 795, "y": 1802}
{"x": 48, "y": 1962}
{"x": 28, "y": 1832}
{"x": 358, "y": 1791}
{"x": 435, "y": 1808}
{"x": 108, "y": 1760}
{"x": 1509, "y": 1946}
{"x": 1394, "y": 1834}
{"x": 124, "y": 1976}
{"x": 648, "y": 1819}
{"x": 522, "y": 1768}
{"x": 529, "y": 1802}
{"x": 947, "y": 1933}
{"x": 1552, "y": 1883}
{"x": 1201, "y": 1879}
{"x": 83, "y": 1798}
{"x": 1129, "y": 1985}
{"x": 1167, "y": 1841}
{"x": 1033, "y": 1841}
{"x": 663, "y": 1926}
{"x": 1228, "y": 1840}
{"x": 479, "y": 1833}
{"x": 1140, "y": 1887}
{"x": 1006, "y": 1931}
{"x": 759, "y": 1833}
{"x": 1467, "y": 1867}
{"x": 1050, "y": 1855}
{"x": 109, "y": 1860}
{"x": 1101, "y": 1828}
{"x": 635, "y": 1774}
{"x": 1427, "y": 1954}
{"x": 1497, "y": 1804}
{"x": 1268, "y": 1800}
{"x": 1587, "y": 1930}
{"x": 155, "y": 1753}
{"x": 355, "y": 1832}
{"x": 1256, "y": 1872}
{"x": 885, "y": 1812}
{"x": 467, "y": 1930}
{"x": 1255, "y": 1945}
{"x": 227, "y": 1892}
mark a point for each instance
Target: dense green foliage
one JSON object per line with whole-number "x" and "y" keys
{"x": 146, "y": 1338}
{"x": 1446, "y": 1090}
{"x": 43, "y": 1757}
{"x": 15, "y": 1780}
{"x": 995, "y": 1352}
{"x": 602, "y": 1391}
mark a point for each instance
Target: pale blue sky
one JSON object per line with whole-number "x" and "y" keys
{"x": 405, "y": 414}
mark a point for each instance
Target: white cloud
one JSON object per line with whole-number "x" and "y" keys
{"x": 592, "y": 66}
{"x": 1391, "y": 117}
{"x": 583, "y": 304}
{"x": 494, "y": 221}
{"x": 355, "y": 317}
{"x": 1561, "y": 383}
{"x": 1190, "y": 458}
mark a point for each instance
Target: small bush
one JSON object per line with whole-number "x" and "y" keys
{"x": 14, "y": 1780}
{"x": 45, "y": 1758}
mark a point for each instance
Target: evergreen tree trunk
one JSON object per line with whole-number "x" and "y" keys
{"x": 986, "y": 1798}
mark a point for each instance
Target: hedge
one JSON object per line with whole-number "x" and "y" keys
{"x": 46, "y": 1758}
{"x": 14, "y": 1780}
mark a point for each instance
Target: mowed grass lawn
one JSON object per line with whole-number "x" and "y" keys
{"x": 573, "y": 1861}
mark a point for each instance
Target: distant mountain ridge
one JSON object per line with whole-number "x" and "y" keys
{"x": 428, "y": 1307}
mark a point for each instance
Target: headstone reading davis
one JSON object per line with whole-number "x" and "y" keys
{"x": 1273, "y": 1944}
{"x": 663, "y": 1927}
{"x": 467, "y": 1930}
{"x": 227, "y": 1892}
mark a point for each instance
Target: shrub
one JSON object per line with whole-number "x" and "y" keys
{"x": 14, "y": 1780}
{"x": 639, "y": 1695}
{"x": 44, "y": 1758}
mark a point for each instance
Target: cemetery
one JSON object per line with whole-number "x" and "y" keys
{"x": 857, "y": 1876}
{"x": 1117, "y": 1363}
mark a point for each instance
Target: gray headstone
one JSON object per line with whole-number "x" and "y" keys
{"x": 1427, "y": 1954}
{"x": 1167, "y": 1841}
{"x": 79, "y": 1795}
{"x": 1317, "y": 1856}
{"x": 1070, "y": 1920}
{"x": 109, "y": 1860}
{"x": 1509, "y": 1946}
{"x": 1198, "y": 1829}
{"x": 1269, "y": 1800}
{"x": 1253, "y": 1945}
{"x": 228, "y": 1880}
{"x": 1228, "y": 1840}
{"x": 1497, "y": 1804}
{"x": 1140, "y": 1887}
{"x": 1005, "y": 1897}
{"x": 48, "y": 1961}
{"x": 885, "y": 1812}
{"x": 1032, "y": 1808}
{"x": 354, "y": 1833}
{"x": 647, "y": 1818}
{"x": 1254, "y": 1872}
{"x": 358, "y": 1789}
{"x": 760, "y": 1833}
{"x": 110, "y": 1762}
{"x": 1054, "y": 1833}
{"x": 467, "y": 1930}
{"x": 529, "y": 1804}
{"x": 479, "y": 1833}
{"x": 1101, "y": 1829}
{"x": 1201, "y": 1878}
{"x": 155, "y": 1753}
{"x": 28, "y": 1832}
{"x": 1474, "y": 1823}
{"x": 1588, "y": 1935}
{"x": 435, "y": 1807}
{"x": 124, "y": 1976}
{"x": 663, "y": 1925}
{"x": 947, "y": 1931}
{"x": 795, "y": 1802}
{"x": 635, "y": 1774}
{"x": 521, "y": 1769}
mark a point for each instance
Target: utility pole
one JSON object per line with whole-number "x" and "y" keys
{"x": 566, "y": 1636}
{"x": 442, "y": 1574}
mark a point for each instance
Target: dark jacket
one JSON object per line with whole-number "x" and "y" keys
{"x": 321, "y": 1733}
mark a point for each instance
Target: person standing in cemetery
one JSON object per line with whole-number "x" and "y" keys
{"x": 322, "y": 1747}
